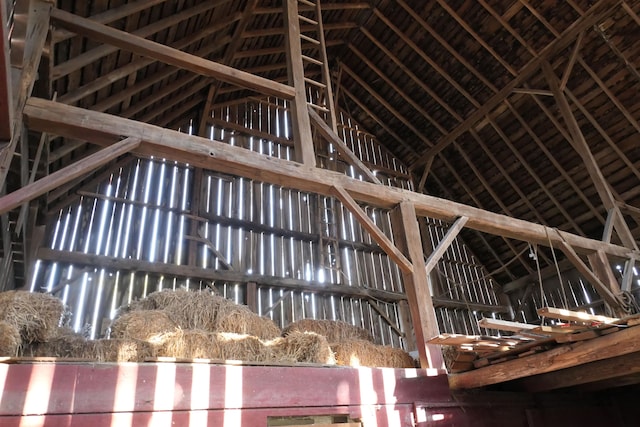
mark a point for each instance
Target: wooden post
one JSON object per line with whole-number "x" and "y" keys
{"x": 407, "y": 238}
{"x": 300, "y": 122}
{"x": 6, "y": 103}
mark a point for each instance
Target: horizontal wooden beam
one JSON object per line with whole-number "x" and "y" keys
{"x": 602, "y": 370}
{"x": 168, "y": 55}
{"x": 188, "y": 271}
{"x": 626, "y": 341}
{"x": 66, "y": 174}
{"x": 101, "y": 128}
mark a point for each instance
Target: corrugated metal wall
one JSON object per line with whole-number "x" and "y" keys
{"x": 158, "y": 211}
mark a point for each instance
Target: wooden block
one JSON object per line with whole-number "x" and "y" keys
{"x": 574, "y": 316}
{"x": 579, "y": 336}
{"x": 504, "y": 325}
{"x": 559, "y": 330}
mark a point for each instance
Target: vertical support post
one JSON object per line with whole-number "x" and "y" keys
{"x": 6, "y": 103}
{"x": 195, "y": 210}
{"x": 252, "y": 296}
{"x": 300, "y": 122}
{"x": 407, "y": 238}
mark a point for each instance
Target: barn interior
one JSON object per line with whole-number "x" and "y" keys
{"x": 458, "y": 180}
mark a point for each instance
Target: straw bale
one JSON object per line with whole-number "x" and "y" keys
{"x": 189, "y": 344}
{"x": 365, "y": 353}
{"x": 244, "y": 347}
{"x": 10, "y": 340}
{"x": 307, "y": 347}
{"x": 188, "y": 309}
{"x": 35, "y": 315}
{"x": 334, "y": 330}
{"x": 66, "y": 345}
{"x": 143, "y": 325}
{"x": 204, "y": 311}
{"x": 241, "y": 320}
{"x": 119, "y": 350}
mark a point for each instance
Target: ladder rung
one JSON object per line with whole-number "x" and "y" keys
{"x": 307, "y": 2}
{"x": 319, "y": 107}
{"x": 309, "y": 39}
{"x": 312, "y": 60}
{"x": 315, "y": 83}
{"x": 307, "y": 20}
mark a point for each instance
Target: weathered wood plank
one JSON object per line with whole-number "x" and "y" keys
{"x": 574, "y": 316}
{"x": 624, "y": 342}
{"x": 6, "y": 101}
{"x": 444, "y": 244}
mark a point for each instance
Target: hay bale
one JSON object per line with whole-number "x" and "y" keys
{"x": 144, "y": 325}
{"x": 334, "y": 330}
{"x": 365, "y": 353}
{"x": 35, "y": 315}
{"x": 66, "y": 344}
{"x": 305, "y": 347}
{"x": 188, "y": 309}
{"x": 241, "y": 347}
{"x": 10, "y": 340}
{"x": 189, "y": 344}
{"x": 193, "y": 310}
{"x": 119, "y": 350}
{"x": 241, "y": 320}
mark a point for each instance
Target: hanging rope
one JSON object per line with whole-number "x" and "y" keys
{"x": 534, "y": 254}
{"x": 565, "y": 303}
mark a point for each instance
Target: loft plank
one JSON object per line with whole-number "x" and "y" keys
{"x": 626, "y": 341}
{"x": 504, "y": 325}
{"x": 574, "y": 316}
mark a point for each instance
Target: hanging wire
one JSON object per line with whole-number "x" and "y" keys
{"x": 565, "y": 303}
{"x": 534, "y": 254}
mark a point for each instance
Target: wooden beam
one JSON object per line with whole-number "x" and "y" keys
{"x": 596, "y": 13}
{"x": 6, "y": 93}
{"x": 582, "y": 147}
{"x": 194, "y": 272}
{"x": 444, "y": 244}
{"x": 626, "y": 341}
{"x": 367, "y": 223}
{"x": 574, "y": 316}
{"x": 572, "y": 61}
{"x": 505, "y": 325}
{"x": 601, "y": 370}
{"x": 601, "y": 288}
{"x": 408, "y": 237}
{"x": 64, "y": 175}
{"x": 101, "y": 128}
{"x": 36, "y": 34}
{"x": 169, "y": 55}
{"x": 342, "y": 148}
{"x": 385, "y": 316}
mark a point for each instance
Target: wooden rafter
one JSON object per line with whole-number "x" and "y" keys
{"x": 597, "y": 12}
{"x": 169, "y": 55}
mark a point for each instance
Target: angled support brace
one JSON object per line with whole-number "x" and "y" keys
{"x": 385, "y": 243}
{"x": 444, "y": 244}
{"x": 81, "y": 167}
{"x": 342, "y": 148}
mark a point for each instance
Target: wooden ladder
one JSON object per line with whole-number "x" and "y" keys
{"x": 314, "y": 60}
